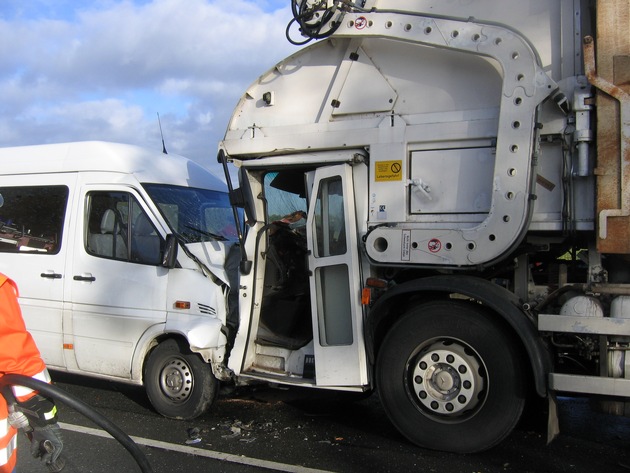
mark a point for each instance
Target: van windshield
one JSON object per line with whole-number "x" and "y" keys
{"x": 195, "y": 215}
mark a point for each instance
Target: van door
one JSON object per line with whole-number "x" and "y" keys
{"x": 335, "y": 280}
{"x": 34, "y": 239}
{"x": 116, "y": 287}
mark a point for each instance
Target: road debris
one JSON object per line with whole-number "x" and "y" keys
{"x": 193, "y": 436}
{"x": 247, "y": 431}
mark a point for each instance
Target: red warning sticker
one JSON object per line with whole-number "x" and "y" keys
{"x": 434, "y": 245}
{"x": 360, "y": 23}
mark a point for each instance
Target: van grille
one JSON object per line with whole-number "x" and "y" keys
{"x": 206, "y": 309}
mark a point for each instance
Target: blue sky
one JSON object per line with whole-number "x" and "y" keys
{"x": 103, "y": 69}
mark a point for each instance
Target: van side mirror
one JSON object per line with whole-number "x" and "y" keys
{"x": 169, "y": 257}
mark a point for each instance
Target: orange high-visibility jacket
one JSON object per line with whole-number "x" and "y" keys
{"x": 18, "y": 355}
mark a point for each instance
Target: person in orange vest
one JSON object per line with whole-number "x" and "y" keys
{"x": 20, "y": 355}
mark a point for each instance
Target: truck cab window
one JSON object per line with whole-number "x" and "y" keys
{"x": 329, "y": 219}
{"x": 31, "y": 219}
{"x": 118, "y": 228}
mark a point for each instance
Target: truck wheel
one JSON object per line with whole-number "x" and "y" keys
{"x": 180, "y": 385}
{"x": 450, "y": 378}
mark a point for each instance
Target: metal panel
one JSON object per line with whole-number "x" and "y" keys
{"x": 584, "y": 325}
{"x": 364, "y": 89}
{"x": 589, "y": 385}
{"x": 613, "y": 207}
{"x": 525, "y": 86}
{"x": 451, "y": 180}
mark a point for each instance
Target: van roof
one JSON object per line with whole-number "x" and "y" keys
{"x": 146, "y": 165}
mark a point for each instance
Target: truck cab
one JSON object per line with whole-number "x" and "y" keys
{"x": 426, "y": 184}
{"x": 300, "y": 308}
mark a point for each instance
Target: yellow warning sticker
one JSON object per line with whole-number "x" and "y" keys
{"x": 388, "y": 171}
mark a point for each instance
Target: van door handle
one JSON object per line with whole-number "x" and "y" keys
{"x": 87, "y": 277}
{"x": 50, "y": 275}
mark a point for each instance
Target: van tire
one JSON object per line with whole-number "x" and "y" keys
{"x": 179, "y": 384}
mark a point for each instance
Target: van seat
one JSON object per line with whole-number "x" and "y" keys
{"x": 145, "y": 242}
{"x": 109, "y": 242}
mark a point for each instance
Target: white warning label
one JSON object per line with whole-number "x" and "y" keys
{"x": 405, "y": 246}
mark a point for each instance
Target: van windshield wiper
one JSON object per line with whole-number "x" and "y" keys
{"x": 214, "y": 236}
{"x": 204, "y": 269}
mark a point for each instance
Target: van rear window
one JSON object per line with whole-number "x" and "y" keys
{"x": 31, "y": 218}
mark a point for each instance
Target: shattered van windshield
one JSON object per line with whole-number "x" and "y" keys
{"x": 195, "y": 215}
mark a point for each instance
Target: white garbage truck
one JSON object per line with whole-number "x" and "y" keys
{"x": 437, "y": 207}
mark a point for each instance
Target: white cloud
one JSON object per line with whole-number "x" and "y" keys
{"x": 103, "y": 69}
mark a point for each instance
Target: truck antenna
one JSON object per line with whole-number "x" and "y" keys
{"x": 161, "y": 134}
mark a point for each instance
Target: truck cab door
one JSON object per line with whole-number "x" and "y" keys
{"x": 335, "y": 280}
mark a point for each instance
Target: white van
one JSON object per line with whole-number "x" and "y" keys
{"x": 119, "y": 254}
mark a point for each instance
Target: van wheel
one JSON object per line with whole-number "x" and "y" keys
{"x": 180, "y": 385}
{"x": 450, "y": 377}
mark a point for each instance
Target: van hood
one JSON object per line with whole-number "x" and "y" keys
{"x": 213, "y": 254}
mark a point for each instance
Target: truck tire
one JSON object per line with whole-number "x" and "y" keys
{"x": 179, "y": 384}
{"x": 450, "y": 378}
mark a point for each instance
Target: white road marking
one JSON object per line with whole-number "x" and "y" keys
{"x": 227, "y": 457}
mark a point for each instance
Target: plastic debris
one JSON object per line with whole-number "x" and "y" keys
{"x": 236, "y": 432}
{"x": 245, "y": 430}
{"x": 193, "y": 436}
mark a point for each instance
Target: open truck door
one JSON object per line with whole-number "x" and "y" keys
{"x": 335, "y": 282}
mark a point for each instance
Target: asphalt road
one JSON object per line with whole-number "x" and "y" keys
{"x": 267, "y": 429}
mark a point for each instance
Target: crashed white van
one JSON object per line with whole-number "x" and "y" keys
{"x": 119, "y": 254}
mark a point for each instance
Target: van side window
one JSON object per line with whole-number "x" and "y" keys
{"x": 31, "y": 218}
{"x": 118, "y": 228}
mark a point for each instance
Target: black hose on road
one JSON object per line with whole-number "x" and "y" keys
{"x": 59, "y": 395}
